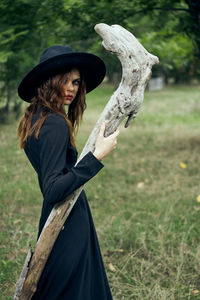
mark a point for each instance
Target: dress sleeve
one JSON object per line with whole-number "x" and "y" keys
{"x": 57, "y": 181}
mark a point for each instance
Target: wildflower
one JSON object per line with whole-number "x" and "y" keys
{"x": 198, "y": 198}
{"x": 183, "y": 165}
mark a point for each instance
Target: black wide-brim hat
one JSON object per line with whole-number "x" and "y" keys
{"x": 60, "y": 59}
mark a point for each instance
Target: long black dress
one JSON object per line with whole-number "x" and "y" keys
{"x": 74, "y": 270}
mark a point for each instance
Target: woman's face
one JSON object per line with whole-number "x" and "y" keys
{"x": 71, "y": 86}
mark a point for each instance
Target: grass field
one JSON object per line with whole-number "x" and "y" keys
{"x": 144, "y": 202}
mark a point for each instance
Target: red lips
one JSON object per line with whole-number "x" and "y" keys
{"x": 69, "y": 97}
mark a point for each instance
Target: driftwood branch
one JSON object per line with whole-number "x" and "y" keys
{"x": 124, "y": 103}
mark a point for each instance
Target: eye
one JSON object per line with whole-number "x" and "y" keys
{"x": 76, "y": 82}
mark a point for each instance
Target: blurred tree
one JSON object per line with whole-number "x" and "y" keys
{"x": 83, "y": 15}
{"x": 176, "y": 24}
{"x": 27, "y": 27}
{"x": 168, "y": 28}
{"x": 186, "y": 12}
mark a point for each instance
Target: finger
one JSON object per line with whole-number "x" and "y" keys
{"x": 116, "y": 133}
{"x": 102, "y": 129}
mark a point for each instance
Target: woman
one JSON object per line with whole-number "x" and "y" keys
{"x": 74, "y": 269}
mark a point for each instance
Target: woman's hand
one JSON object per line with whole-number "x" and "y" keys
{"x": 104, "y": 145}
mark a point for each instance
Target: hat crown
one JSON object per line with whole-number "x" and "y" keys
{"x": 54, "y": 51}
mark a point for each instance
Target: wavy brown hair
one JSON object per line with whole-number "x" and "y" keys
{"x": 50, "y": 97}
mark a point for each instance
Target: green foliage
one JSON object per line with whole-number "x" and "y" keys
{"x": 175, "y": 54}
{"x": 165, "y": 27}
{"x": 25, "y": 27}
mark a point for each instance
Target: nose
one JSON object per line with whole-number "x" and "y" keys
{"x": 69, "y": 86}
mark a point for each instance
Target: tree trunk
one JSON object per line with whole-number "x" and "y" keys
{"x": 8, "y": 100}
{"x": 194, "y": 10}
{"x": 125, "y": 102}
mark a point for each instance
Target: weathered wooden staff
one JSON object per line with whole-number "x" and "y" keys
{"x": 125, "y": 102}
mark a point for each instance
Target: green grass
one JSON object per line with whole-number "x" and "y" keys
{"x": 144, "y": 203}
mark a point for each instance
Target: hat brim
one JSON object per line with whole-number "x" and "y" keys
{"x": 91, "y": 65}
